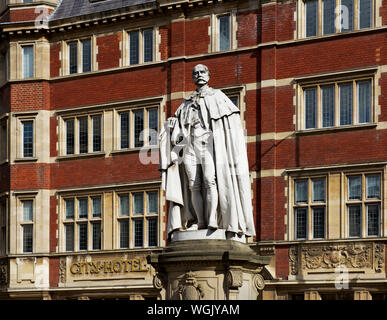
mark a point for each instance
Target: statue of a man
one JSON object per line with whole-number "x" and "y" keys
{"x": 204, "y": 164}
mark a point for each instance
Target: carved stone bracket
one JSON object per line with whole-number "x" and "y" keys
{"x": 259, "y": 282}
{"x": 62, "y": 270}
{"x": 379, "y": 257}
{"x": 159, "y": 281}
{"x": 293, "y": 260}
{"x": 234, "y": 278}
{"x": 189, "y": 289}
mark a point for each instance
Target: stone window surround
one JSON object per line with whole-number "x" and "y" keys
{"x": 300, "y": 14}
{"x": 336, "y": 214}
{"x": 214, "y": 31}
{"x": 19, "y": 136}
{"x": 334, "y": 78}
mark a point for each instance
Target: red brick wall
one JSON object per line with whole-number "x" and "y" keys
{"x": 197, "y": 38}
{"x": 164, "y": 46}
{"x": 109, "y": 51}
{"x": 54, "y": 272}
{"x": 282, "y": 262}
{"x": 30, "y": 176}
{"x": 26, "y": 14}
{"x": 247, "y": 32}
{"x": 53, "y": 224}
{"x": 31, "y": 95}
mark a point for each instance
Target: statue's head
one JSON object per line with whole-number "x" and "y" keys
{"x": 200, "y": 75}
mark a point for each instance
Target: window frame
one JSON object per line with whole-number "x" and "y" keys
{"x": 22, "y": 74}
{"x": 131, "y": 217}
{"x": 80, "y": 65}
{"x": 215, "y": 31}
{"x": 309, "y": 205}
{"x": 126, "y": 46}
{"x": 76, "y": 221}
{"x": 20, "y": 119}
{"x": 23, "y": 223}
{"x": 76, "y": 133}
{"x": 318, "y": 84}
{"x": 356, "y": 19}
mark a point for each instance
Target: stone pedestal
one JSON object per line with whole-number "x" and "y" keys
{"x": 214, "y": 268}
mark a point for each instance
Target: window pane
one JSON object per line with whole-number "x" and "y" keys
{"x": 69, "y": 229}
{"x": 373, "y": 186}
{"x": 70, "y": 136}
{"x": 82, "y": 227}
{"x": 83, "y": 208}
{"x": 346, "y": 15}
{"x": 96, "y": 229}
{"x": 152, "y": 232}
{"x": 73, "y": 57}
{"x": 235, "y": 100}
{"x": 133, "y": 47}
{"x": 153, "y": 123}
{"x": 311, "y": 16}
{"x": 86, "y": 55}
{"x": 27, "y": 238}
{"x": 138, "y": 203}
{"x": 301, "y": 223}
{"x": 346, "y": 103}
{"x": 310, "y": 107}
{"x": 319, "y": 222}
{"x": 28, "y": 138}
{"x": 365, "y": 14}
{"x": 354, "y": 187}
{"x": 318, "y": 189}
{"x": 138, "y": 127}
{"x": 152, "y": 202}
{"x": 124, "y": 234}
{"x": 124, "y": 205}
{"x": 328, "y": 105}
{"x": 97, "y": 133}
{"x": 373, "y": 219}
{"x": 224, "y": 33}
{"x": 96, "y": 206}
{"x": 138, "y": 226}
{"x": 28, "y": 62}
{"x": 148, "y": 44}
{"x": 83, "y": 135}
{"x": 354, "y": 218}
{"x": 301, "y": 191}
{"x": 124, "y": 129}
{"x": 69, "y": 208}
{"x": 364, "y": 101}
{"x": 28, "y": 210}
{"x": 329, "y": 16}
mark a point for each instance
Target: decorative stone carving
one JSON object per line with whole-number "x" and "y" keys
{"x": 266, "y": 250}
{"x": 62, "y": 271}
{"x": 379, "y": 257}
{"x": 293, "y": 260}
{"x": 234, "y": 278}
{"x": 189, "y": 289}
{"x": 159, "y": 281}
{"x": 259, "y": 282}
{"x": 351, "y": 255}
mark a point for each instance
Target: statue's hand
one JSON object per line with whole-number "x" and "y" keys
{"x": 171, "y": 122}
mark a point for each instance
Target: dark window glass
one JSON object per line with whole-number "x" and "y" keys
{"x": 311, "y": 16}
{"x": 301, "y": 222}
{"x": 124, "y": 205}
{"x": 148, "y": 45}
{"x": 73, "y": 57}
{"x": 28, "y": 62}
{"x": 328, "y": 105}
{"x": 301, "y": 194}
{"x": 354, "y": 188}
{"x": 83, "y": 208}
{"x": 96, "y": 206}
{"x": 318, "y": 190}
{"x": 152, "y": 232}
{"x": 27, "y": 238}
{"x": 124, "y": 128}
{"x": 70, "y": 136}
{"x": 82, "y": 236}
{"x": 69, "y": 229}
{"x": 310, "y": 107}
{"x": 152, "y": 202}
{"x": 318, "y": 222}
{"x": 364, "y": 101}
{"x": 153, "y": 123}
{"x": 354, "y": 218}
{"x": 329, "y": 16}
{"x": 83, "y": 135}
{"x": 347, "y": 10}
{"x": 124, "y": 234}
{"x": 134, "y": 47}
{"x": 224, "y": 33}
{"x": 96, "y": 228}
{"x": 28, "y": 138}
{"x": 138, "y": 232}
{"x": 346, "y": 103}
{"x": 138, "y": 203}
{"x": 86, "y": 55}
{"x": 373, "y": 186}
{"x": 373, "y": 220}
{"x": 365, "y": 14}
{"x": 69, "y": 208}
{"x": 138, "y": 127}
{"x": 97, "y": 133}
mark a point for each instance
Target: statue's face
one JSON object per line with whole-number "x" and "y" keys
{"x": 200, "y": 75}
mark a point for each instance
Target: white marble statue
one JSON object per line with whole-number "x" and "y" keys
{"x": 204, "y": 165}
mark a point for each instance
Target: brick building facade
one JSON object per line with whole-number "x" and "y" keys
{"x": 81, "y": 206}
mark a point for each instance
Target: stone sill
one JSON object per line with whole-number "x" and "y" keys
{"x": 319, "y": 241}
{"x": 32, "y": 159}
{"x": 81, "y": 156}
{"x": 134, "y": 150}
{"x": 337, "y": 129}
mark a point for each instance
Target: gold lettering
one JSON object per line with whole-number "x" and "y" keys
{"x": 118, "y": 265}
{"x": 72, "y": 268}
{"x": 86, "y": 267}
{"x": 109, "y": 267}
{"x": 94, "y": 268}
{"x": 135, "y": 265}
{"x": 144, "y": 266}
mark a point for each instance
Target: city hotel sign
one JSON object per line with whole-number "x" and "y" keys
{"x": 114, "y": 266}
